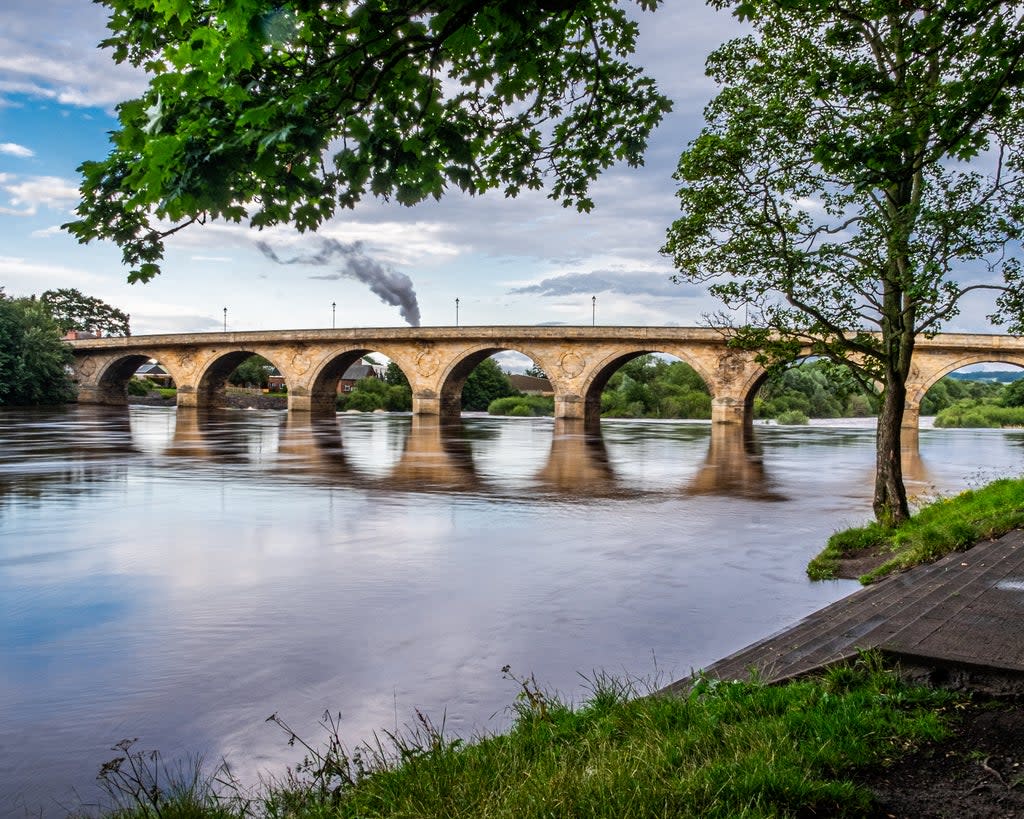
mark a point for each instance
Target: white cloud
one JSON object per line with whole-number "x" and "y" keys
{"x": 14, "y": 149}
{"x": 34, "y": 192}
{"x": 48, "y": 232}
{"x": 22, "y": 276}
{"x": 61, "y": 64}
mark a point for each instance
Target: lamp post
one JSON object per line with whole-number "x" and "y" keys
{"x": 334, "y": 306}
{"x": 593, "y": 311}
{"x": 456, "y": 312}
{"x": 225, "y": 319}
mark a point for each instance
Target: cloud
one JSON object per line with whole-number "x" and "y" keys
{"x": 62, "y": 64}
{"x": 391, "y": 286}
{"x": 35, "y": 192}
{"x": 635, "y": 283}
{"x": 23, "y": 277}
{"x": 14, "y": 149}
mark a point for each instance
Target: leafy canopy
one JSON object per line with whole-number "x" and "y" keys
{"x": 33, "y": 359}
{"x": 283, "y": 112}
{"x": 860, "y": 170}
{"x": 859, "y": 175}
{"x": 73, "y": 310}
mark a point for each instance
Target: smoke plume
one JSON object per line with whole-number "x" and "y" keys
{"x": 387, "y": 283}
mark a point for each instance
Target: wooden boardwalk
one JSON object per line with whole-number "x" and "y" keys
{"x": 958, "y": 621}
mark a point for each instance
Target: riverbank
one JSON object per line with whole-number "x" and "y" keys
{"x": 234, "y": 400}
{"x": 870, "y": 552}
{"x": 855, "y": 742}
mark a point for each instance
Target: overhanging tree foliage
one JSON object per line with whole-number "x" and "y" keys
{"x": 283, "y": 112}
{"x": 858, "y": 176}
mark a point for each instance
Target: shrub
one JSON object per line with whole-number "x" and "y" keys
{"x": 522, "y": 406}
{"x": 138, "y": 386}
{"x": 792, "y": 417}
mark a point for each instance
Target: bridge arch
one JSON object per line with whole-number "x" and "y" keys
{"x": 209, "y": 389}
{"x": 597, "y": 378}
{"x": 921, "y": 388}
{"x": 322, "y": 383}
{"x": 930, "y": 369}
{"x": 453, "y": 378}
{"x": 107, "y": 383}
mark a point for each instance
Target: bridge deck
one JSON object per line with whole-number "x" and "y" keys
{"x": 962, "y": 615}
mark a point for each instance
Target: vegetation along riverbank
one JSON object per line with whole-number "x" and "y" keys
{"x": 821, "y": 747}
{"x": 873, "y": 551}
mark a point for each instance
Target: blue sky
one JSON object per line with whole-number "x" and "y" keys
{"x": 520, "y": 261}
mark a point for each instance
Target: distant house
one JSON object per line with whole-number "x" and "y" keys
{"x": 528, "y": 385}
{"x": 73, "y": 335}
{"x": 155, "y": 373}
{"x": 358, "y": 371}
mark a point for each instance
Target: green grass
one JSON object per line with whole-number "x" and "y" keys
{"x": 726, "y": 750}
{"x": 947, "y": 525}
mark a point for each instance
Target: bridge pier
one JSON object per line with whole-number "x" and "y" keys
{"x": 730, "y": 410}
{"x": 187, "y": 397}
{"x": 426, "y": 403}
{"x": 102, "y": 394}
{"x": 911, "y": 417}
{"x": 572, "y": 407}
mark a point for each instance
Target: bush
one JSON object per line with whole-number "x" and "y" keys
{"x": 522, "y": 406}
{"x": 792, "y": 418}
{"x": 139, "y": 386}
{"x": 975, "y": 415}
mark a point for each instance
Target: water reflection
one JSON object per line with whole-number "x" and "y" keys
{"x": 405, "y": 453}
{"x": 436, "y": 457}
{"x": 55, "y": 452}
{"x": 578, "y": 462}
{"x": 734, "y": 466}
{"x": 478, "y": 455}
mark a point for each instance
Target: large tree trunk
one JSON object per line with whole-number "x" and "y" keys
{"x": 890, "y": 503}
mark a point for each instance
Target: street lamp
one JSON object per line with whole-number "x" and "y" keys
{"x": 225, "y": 319}
{"x": 456, "y": 312}
{"x": 593, "y": 311}
{"x": 334, "y": 306}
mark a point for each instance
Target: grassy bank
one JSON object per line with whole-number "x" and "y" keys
{"x": 726, "y": 750}
{"x": 947, "y": 525}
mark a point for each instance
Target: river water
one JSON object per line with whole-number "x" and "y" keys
{"x": 178, "y": 576}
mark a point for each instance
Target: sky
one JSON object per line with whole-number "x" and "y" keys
{"x": 516, "y": 261}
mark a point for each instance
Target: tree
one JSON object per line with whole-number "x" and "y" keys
{"x": 535, "y": 372}
{"x": 73, "y": 310}
{"x": 859, "y": 174}
{"x": 1013, "y": 394}
{"x": 33, "y": 359}
{"x": 251, "y": 373}
{"x": 394, "y": 375}
{"x": 486, "y": 383}
{"x": 281, "y": 113}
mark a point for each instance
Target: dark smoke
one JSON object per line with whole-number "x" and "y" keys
{"x": 388, "y": 284}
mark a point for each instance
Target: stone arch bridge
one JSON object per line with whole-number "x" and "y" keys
{"x": 437, "y": 360}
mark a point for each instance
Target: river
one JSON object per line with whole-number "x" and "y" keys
{"x": 178, "y": 577}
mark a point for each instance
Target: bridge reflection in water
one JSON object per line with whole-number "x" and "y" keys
{"x": 435, "y": 456}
